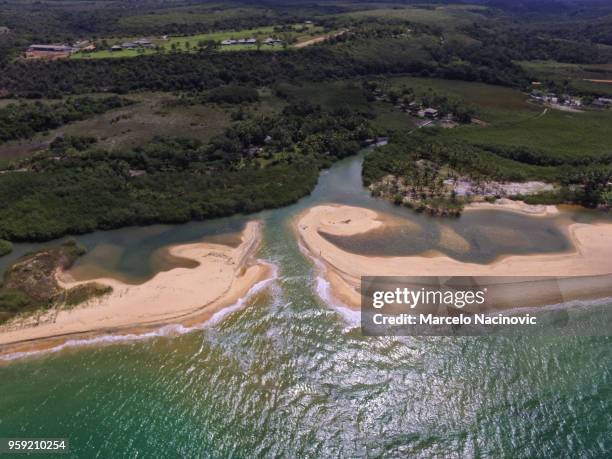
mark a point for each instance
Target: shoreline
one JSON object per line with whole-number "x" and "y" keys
{"x": 178, "y": 297}
{"x": 590, "y": 259}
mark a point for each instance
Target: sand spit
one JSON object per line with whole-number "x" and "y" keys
{"x": 592, "y": 256}
{"x": 224, "y": 276}
{"x": 534, "y": 210}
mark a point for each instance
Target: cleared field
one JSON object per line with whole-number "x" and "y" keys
{"x": 131, "y": 126}
{"x": 579, "y": 75}
{"x": 300, "y": 33}
{"x": 153, "y": 114}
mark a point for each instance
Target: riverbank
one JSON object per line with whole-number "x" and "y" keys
{"x": 223, "y": 276}
{"x": 592, "y": 256}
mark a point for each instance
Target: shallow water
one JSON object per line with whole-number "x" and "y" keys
{"x": 289, "y": 375}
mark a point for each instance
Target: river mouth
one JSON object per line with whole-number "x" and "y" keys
{"x": 136, "y": 254}
{"x": 286, "y": 375}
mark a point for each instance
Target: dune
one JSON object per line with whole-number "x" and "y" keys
{"x": 183, "y": 295}
{"x": 590, "y": 259}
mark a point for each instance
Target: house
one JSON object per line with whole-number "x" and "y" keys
{"x": 49, "y": 51}
{"x": 51, "y": 48}
{"x": 271, "y": 41}
{"x": 84, "y": 45}
{"x": 228, "y": 42}
{"x": 431, "y": 112}
{"x": 4, "y": 30}
{"x": 250, "y": 41}
{"x": 145, "y": 43}
{"x": 129, "y": 45}
{"x": 116, "y": 48}
{"x": 602, "y": 102}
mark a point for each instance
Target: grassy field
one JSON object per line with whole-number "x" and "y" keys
{"x": 449, "y": 18}
{"x": 492, "y": 103}
{"x": 190, "y": 43}
{"x": 514, "y": 121}
{"x": 556, "y": 133}
{"x": 511, "y": 119}
{"x": 134, "y": 125}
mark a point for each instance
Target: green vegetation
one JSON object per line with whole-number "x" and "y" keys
{"x": 5, "y": 247}
{"x": 212, "y": 133}
{"x": 423, "y": 160}
{"x": 520, "y": 142}
{"x": 30, "y": 285}
{"x": 257, "y": 163}
{"x": 555, "y": 136}
{"x": 21, "y": 121}
{"x": 232, "y": 95}
{"x": 85, "y": 292}
{"x": 409, "y": 176}
{"x": 351, "y": 55}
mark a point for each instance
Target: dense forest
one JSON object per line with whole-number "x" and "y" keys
{"x": 258, "y": 163}
{"x": 206, "y": 70}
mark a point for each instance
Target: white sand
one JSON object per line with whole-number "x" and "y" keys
{"x": 592, "y": 255}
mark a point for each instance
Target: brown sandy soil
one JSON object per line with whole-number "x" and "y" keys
{"x": 592, "y": 256}
{"x": 319, "y": 39}
{"x": 182, "y": 295}
{"x": 600, "y": 81}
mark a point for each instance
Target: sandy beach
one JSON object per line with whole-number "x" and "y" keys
{"x": 223, "y": 275}
{"x": 592, "y": 256}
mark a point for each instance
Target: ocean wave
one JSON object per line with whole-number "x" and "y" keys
{"x": 163, "y": 331}
{"x": 323, "y": 288}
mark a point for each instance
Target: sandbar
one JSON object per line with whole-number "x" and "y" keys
{"x": 533, "y": 210}
{"x": 590, "y": 258}
{"x": 182, "y": 295}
